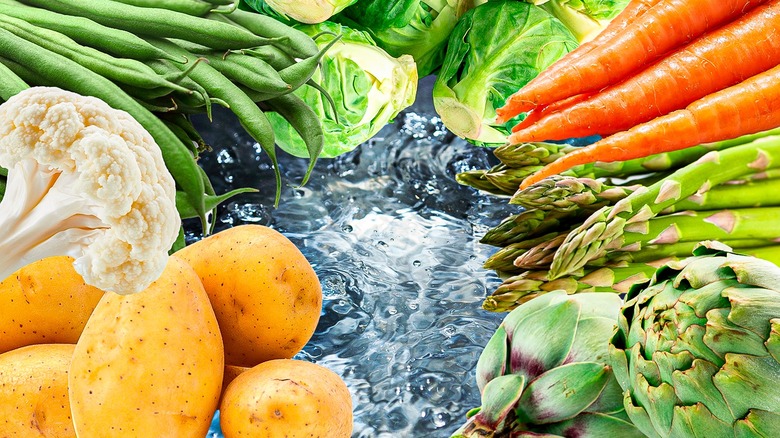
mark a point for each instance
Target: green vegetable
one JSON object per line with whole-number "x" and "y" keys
{"x": 10, "y": 83}
{"x": 494, "y": 49}
{"x": 555, "y": 383}
{"x": 585, "y": 18}
{"x": 369, "y": 88}
{"x": 87, "y": 32}
{"x": 697, "y": 350}
{"x": 302, "y": 11}
{"x": 158, "y": 23}
{"x": 419, "y": 28}
{"x": 600, "y": 231}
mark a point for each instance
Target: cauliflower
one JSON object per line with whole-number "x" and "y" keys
{"x": 87, "y": 181}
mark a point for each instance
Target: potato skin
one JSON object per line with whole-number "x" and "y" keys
{"x": 34, "y": 392}
{"x": 287, "y": 398}
{"x": 149, "y": 364}
{"x": 45, "y": 302}
{"x": 265, "y": 294}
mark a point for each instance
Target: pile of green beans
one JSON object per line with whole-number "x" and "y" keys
{"x": 163, "y": 61}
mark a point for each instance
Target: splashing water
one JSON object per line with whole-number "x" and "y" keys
{"x": 394, "y": 241}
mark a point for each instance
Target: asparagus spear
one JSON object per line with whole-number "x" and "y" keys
{"x": 531, "y": 154}
{"x": 566, "y": 193}
{"x": 666, "y": 233}
{"x": 599, "y": 232}
{"x": 529, "y": 224}
{"x": 520, "y": 288}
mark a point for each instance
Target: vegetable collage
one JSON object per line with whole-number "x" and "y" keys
{"x": 623, "y": 170}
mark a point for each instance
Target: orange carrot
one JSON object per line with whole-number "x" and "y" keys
{"x": 724, "y": 57}
{"x": 746, "y": 108}
{"x": 540, "y": 112}
{"x": 629, "y": 14}
{"x": 665, "y": 27}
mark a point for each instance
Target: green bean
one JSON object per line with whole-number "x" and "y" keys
{"x": 312, "y": 83}
{"x": 10, "y": 85}
{"x": 300, "y": 72}
{"x": 223, "y": 2}
{"x": 249, "y": 115}
{"x": 299, "y": 45}
{"x": 182, "y": 121}
{"x": 187, "y": 211}
{"x": 274, "y": 56}
{"x": 121, "y": 70}
{"x": 305, "y": 122}
{"x": 158, "y": 23}
{"x": 191, "y": 7}
{"x": 87, "y": 32}
{"x": 182, "y": 135}
{"x": 76, "y": 78}
{"x": 252, "y": 72}
{"x": 2, "y": 186}
{"x": 3, "y": 172}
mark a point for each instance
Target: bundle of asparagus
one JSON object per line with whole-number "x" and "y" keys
{"x": 606, "y": 226}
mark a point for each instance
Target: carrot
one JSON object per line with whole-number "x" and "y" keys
{"x": 540, "y": 112}
{"x": 629, "y": 14}
{"x": 724, "y": 57}
{"x": 746, "y": 108}
{"x": 666, "y": 26}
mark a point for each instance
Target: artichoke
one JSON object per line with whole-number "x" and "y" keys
{"x": 696, "y": 350}
{"x": 544, "y": 372}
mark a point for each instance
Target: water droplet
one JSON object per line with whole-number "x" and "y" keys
{"x": 416, "y": 263}
{"x": 347, "y": 228}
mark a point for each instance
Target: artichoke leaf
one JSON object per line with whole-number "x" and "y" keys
{"x": 668, "y": 363}
{"x": 695, "y": 385}
{"x": 537, "y": 347}
{"x": 562, "y": 392}
{"x": 753, "y": 308}
{"x": 493, "y": 360}
{"x": 498, "y": 400}
{"x": 773, "y": 343}
{"x": 639, "y": 417}
{"x": 610, "y": 400}
{"x": 723, "y": 336}
{"x": 657, "y": 400}
{"x": 591, "y": 425}
{"x": 758, "y": 423}
{"x": 749, "y": 382}
{"x": 696, "y": 421}
{"x": 589, "y": 342}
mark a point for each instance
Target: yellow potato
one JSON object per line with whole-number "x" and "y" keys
{"x": 34, "y": 392}
{"x": 45, "y": 302}
{"x": 149, "y": 364}
{"x": 231, "y": 372}
{"x": 265, "y": 293}
{"x": 286, "y": 398}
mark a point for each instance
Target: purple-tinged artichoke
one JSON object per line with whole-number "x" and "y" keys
{"x": 544, "y": 372}
{"x": 697, "y": 350}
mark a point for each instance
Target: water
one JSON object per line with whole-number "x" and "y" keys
{"x": 394, "y": 241}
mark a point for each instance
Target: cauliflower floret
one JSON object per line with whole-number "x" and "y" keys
{"x": 88, "y": 181}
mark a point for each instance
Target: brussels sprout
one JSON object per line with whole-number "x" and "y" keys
{"x": 368, "y": 86}
{"x": 412, "y": 27}
{"x": 303, "y": 11}
{"x": 585, "y": 18}
{"x": 495, "y": 49}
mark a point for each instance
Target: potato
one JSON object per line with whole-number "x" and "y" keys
{"x": 231, "y": 372}
{"x": 286, "y": 398}
{"x": 149, "y": 364}
{"x": 34, "y": 392}
{"x": 265, "y": 293}
{"x": 45, "y": 302}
